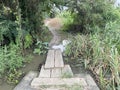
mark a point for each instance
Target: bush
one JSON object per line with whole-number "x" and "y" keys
{"x": 41, "y": 48}
{"x": 18, "y": 22}
{"x": 67, "y": 19}
{"x": 92, "y": 13}
{"x": 10, "y": 58}
{"x": 100, "y": 54}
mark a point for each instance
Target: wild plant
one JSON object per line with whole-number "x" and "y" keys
{"x": 41, "y": 48}
{"x": 100, "y": 54}
{"x": 10, "y": 58}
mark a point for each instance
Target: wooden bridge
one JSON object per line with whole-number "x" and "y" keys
{"x": 52, "y": 76}
{"x": 55, "y": 75}
{"x": 52, "y": 73}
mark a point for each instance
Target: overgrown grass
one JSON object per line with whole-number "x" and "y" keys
{"x": 100, "y": 54}
{"x": 11, "y": 60}
{"x": 67, "y": 19}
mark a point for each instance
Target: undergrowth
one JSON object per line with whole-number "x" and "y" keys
{"x": 100, "y": 54}
{"x": 11, "y": 60}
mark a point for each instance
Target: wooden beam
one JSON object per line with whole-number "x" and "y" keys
{"x": 58, "y": 59}
{"x": 50, "y": 59}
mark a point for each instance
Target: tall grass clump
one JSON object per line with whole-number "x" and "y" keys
{"x": 67, "y": 19}
{"x": 10, "y": 59}
{"x": 92, "y": 13}
{"x": 100, "y": 54}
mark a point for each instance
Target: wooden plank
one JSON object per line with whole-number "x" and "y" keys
{"x": 25, "y": 82}
{"x": 56, "y": 72}
{"x": 90, "y": 81}
{"x": 58, "y": 59}
{"x": 44, "y": 72}
{"x": 37, "y": 82}
{"x": 50, "y": 59}
{"x": 67, "y": 71}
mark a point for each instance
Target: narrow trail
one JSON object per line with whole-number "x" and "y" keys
{"x": 51, "y": 75}
{"x": 56, "y": 38}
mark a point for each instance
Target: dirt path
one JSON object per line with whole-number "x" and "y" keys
{"x": 56, "y": 38}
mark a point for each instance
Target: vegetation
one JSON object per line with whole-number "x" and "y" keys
{"x": 88, "y": 14}
{"x": 95, "y": 24}
{"x": 100, "y": 55}
{"x": 21, "y": 25}
{"x": 10, "y": 59}
{"x": 42, "y": 47}
{"x": 97, "y": 46}
{"x": 67, "y": 19}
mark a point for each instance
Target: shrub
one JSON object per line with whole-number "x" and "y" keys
{"x": 10, "y": 58}
{"x": 92, "y": 13}
{"x": 41, "y": 48}
{"x": 100, "y": 54}
{"x": 67, "y": 19}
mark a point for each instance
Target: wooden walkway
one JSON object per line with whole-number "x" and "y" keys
{"x": 55, "y": 73}
{"x": 53, "y": 70}
{"x": 54, "y": 66}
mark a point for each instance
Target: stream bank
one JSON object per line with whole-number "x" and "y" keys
{"x": 34, "y": 65}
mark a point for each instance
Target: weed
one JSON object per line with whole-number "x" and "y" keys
{"x": 10, "y": 60}
{"x": 100, "y": 54}
{"x": 41, "y": 47}
{"x": 14, "y": 76}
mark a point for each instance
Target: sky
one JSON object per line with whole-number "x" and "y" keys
{"x": 117, "y": 2}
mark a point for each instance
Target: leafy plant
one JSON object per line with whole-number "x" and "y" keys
{"x": 28, "y": 40}
{"x": 92, "y": 13}
{"x": 14, "y": 77}
{"x": 41, "y": 47}
{"x": 67, "y": 19}
{"x": 100, "y": 54}
{"x": 10, "y": 59}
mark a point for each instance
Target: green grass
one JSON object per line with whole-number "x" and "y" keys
{"x": 100, "y": 54}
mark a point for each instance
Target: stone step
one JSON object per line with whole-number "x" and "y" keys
{"x": 75, "y": 87}
{"x": 44, "y": 72}
{"x": 64, "y": 72}
{"x": 25, "y": 84}
{"x": 90, "y": 81}
{"x": 54, "y": 59}
{"x": 56, "y": 72}
{"x": 67, "y": 71}
{"x": 53, "y": 88}
{"x": 37, "y": 82}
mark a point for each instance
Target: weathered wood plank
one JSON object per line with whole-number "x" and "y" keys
{"x": 50, "y": 60}
{"x": 25, "y": 82}
{"x": 90, "y": 81}
{"x": 58, "y": 59}
{"x": 67, "y": 70}
{"x": 37, "y": 82}
{"x": 45, "y": 72}
{"x": 56, "y": 72}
